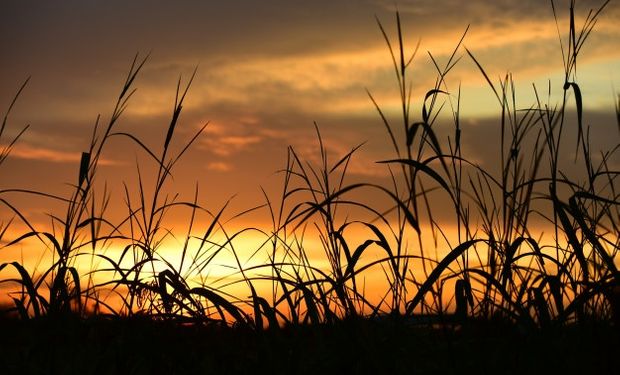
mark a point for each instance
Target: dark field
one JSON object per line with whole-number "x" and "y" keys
{"x": 144, "y": 346}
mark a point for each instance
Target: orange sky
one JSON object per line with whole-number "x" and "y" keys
{"x": 266, "y": 71}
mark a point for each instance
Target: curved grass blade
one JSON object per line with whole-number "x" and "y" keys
{"x": 221, "y": 302}
{"x": 437, "y": 271}
{"x": 26, "y": 281}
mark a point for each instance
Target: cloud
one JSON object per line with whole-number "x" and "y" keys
{"x": 228, "y": 137}
{"x": 30, "y": 152}
{"x": 268, "y": 70}
{"x": 219, "y": 166}
{"x": 24, "y": 151}
{"x": 281, "y": 60}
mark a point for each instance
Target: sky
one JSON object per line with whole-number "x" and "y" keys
{"x": 266, "y": 73}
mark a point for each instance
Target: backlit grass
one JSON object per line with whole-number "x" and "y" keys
{"x": 487, "y": 267}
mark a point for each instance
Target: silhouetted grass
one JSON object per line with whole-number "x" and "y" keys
{"x": 499, "y": 291}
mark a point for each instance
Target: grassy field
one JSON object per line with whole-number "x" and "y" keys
{"x": 144, "y": 346}
{"x": 499, "y": 300}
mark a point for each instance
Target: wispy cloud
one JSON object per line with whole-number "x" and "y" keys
{"x": 24, "y": 151}
{"x": 219, "y": 166}
{"x": 224, "y": 140}
{"x": 30, "y": 152}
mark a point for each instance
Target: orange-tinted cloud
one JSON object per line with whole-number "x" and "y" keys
{"x": 30, "y": 152}
{"x": 219, "y": 166}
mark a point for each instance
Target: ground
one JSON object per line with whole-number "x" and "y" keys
{"x": 143, "y": 346}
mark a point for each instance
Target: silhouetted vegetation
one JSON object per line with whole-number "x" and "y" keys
{"x": 498, "y": 290}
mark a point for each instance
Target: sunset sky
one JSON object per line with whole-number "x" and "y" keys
{"x": 266, "y": 71}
